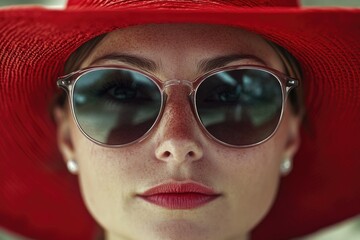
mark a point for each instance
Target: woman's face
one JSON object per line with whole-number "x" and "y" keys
{"x": 177, "y": 150}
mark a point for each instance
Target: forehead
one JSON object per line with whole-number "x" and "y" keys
{"x": 176, "y": 48}
{"x": 180, "y": 37}
{"x": 169, "y": 34}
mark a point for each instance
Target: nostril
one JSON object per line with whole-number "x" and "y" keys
{"x": 166, "y": 154}
{"x": 178, "y": 151}
{"x": 191, "y": 154}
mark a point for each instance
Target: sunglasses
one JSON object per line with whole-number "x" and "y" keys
{"x": 238, "y": 106}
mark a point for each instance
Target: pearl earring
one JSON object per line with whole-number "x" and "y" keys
{"x": 72, "y": 166}
{"x": 286, "y": 166}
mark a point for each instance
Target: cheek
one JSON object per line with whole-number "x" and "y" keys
{"x": 251, "y": 178}
{"x": 107, "y": 178}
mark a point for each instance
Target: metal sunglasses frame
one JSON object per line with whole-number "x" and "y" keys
{"x": 287, "y": 83}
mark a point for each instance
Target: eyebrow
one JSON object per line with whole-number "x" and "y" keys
{"x": 133, "y": 60}
{"x": 151, "y": 66}
{"x": 220, "y": 61}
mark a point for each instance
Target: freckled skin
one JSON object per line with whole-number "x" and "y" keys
{"x": 247, "y": 178}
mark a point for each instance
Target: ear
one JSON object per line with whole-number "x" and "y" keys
{"x": 293, "y": 137}
{"x": 64, "y": 140}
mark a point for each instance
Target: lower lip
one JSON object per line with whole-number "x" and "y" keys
{"x": 180, "y": 200}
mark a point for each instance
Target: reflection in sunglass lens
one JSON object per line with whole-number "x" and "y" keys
{"x": 116, "y": 106}
{"x": 240, "y": 107}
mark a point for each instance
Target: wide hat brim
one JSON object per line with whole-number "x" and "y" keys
{"x": 41, "y": 200}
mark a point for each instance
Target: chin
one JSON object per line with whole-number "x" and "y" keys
{"x": 181, "y": 229}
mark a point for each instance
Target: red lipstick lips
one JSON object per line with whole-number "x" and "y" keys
{"x": 179, "y": 195}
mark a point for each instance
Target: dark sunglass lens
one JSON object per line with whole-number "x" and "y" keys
{"x": 114, "y": 106}
{"x": 240, "y": 107}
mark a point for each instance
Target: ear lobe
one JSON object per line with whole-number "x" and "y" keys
{"x": 64, "y": 140}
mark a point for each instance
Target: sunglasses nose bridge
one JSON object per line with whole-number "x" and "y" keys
{"x": 176, "y": 82}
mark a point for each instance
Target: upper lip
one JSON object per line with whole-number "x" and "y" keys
{"x": 180, "y": 187}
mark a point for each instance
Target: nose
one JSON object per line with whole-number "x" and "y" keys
{"x": 178, "y": 135}
{"x": 178, "y": 151}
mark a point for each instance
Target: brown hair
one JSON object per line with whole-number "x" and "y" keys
{"x": 73, "y": 63}
{"x": 292, "y": 69}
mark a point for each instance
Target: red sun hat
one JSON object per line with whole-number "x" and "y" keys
{"x": 41, "y": 200}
